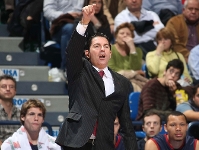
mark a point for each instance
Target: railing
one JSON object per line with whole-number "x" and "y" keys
{"x": 45, "y": 124}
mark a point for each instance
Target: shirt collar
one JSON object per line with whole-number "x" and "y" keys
{"x": 106, "y": 71}
{"x": 143, "y": 12}
{"x": 14, "y": 109}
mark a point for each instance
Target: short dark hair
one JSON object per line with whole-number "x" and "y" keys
{"x": 176, "y": 63}
{"x": 8, "y": 77}
{"x": 98, "y": 34}
{"x": 30, "y": 104}
{"x": 152, "y": 112}
{"x": 175, "y": 113}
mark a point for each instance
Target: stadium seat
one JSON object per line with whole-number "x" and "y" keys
{"x": 144, "y": 68}
{"x": 133, "y": 103}
{"x": 193, "y": 129}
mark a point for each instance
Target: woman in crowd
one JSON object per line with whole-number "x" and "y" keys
{"x": 157, "y": 60}
{"x": 126, "y": 59}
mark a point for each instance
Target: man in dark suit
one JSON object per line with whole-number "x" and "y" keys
{"x": 95, "y": 101}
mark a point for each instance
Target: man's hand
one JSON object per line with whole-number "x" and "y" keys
{"x": 155, "y": 23}
{"x": 172, "y": 85}
{"x": 88, "y": 12}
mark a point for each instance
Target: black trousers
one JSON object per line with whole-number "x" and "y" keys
{"x": 87, "y": 146}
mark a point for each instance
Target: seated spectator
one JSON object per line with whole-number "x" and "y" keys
{"x": 191, "y": 108}
{"x": 99, "y": 22}
{"x": 62, "y": 13}
{"x": 31, "y": 135}
{"x": 146, "y": 23}
{"x": 25, "y": 22}
{"x": 193, "y": 63}
{"x": 8, "y": 112}
{"x": 176, "y": 138}
{"x": 157, "y": 60}
{"x": 185, "y": 28}
{"x": 7, "y": 10}
{"x": 159, "y": 93}
{"x": 164, "y": 8}
{"x": 126, "y": 59}
{"x": 155, "y": 5}
{"x": 118, "y": 139}
{"x": 152, "y": 125}
{"x": 111, "y": 9}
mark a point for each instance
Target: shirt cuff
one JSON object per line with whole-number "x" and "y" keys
{"x": 81, "y": 29}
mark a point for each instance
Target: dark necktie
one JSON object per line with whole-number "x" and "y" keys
{"x": 101, "y": 73}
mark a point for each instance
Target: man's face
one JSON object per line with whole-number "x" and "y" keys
{"x": 33, "y": 120}
{"x": 191, "y": 11}
{"x": 152, "y": 125}
{"x": 172, "y": 74}
{"x": 176, "y": 128}
{"x": 7, "y": 90}
{"x": 133, "y": 5}
{"x": 196, "y": 98}
{"x": 99, "y": 53}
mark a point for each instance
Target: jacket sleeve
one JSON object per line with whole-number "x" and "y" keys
{"x": 74, "y": 53}
{"x": 126, "y": 123}
{"x": 180, "y": 32}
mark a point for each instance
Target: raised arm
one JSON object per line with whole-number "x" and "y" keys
{"x": 76, "y": 45}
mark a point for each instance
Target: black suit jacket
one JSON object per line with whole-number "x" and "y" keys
{"x": 88, "y": 103}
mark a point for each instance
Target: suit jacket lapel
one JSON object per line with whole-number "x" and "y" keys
{"x": 98, "y": 79}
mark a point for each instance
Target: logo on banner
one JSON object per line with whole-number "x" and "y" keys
{"x": 18, "y": 102}
{"x": 12, "y": 72}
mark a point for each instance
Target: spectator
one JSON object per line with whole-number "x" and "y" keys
{"x": 159, "y": 93}
{"x": 185, "y": 28}
{"x": 176, "y": 138}
{"x": 157, "y": 60}
{"x": 193, "y": 63}
{"x": 126, "y": 59}
{"x": 118, "y": 139}
{"x": 164, "y": 8}
{"x": 154, "y": 5}
{"x": 31, "y": 135}
{"x": 25, "y": 22}
{"x": 99, "y": 22}
{"x": 146, "y": 23}
{"x": 97, "y": 94}
{"x": 7, "y": 109}
{"x": 152, "y": 125}
{"x": 57, "y": 11}
{"x": 7, "y": 10}
{"x": 191, "y": 108}
{"x": 111, "y": 9}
